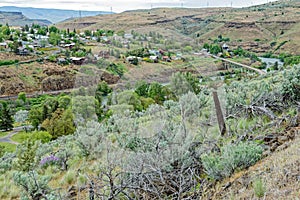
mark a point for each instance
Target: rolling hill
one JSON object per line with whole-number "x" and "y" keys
{"x": 53, "y": 15}
{"x": 18, "y": 19}
{"x": 268, "y": 27}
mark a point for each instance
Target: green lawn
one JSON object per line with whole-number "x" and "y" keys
{"x": 3, "y": 134}
{"x": 20, "y": 137}
{"x": 8, "y": 146}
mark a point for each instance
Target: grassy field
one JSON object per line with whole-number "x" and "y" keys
{"x": 8, "y": 146}
{"x": 3, "y": 134}
{"x": 20, "y": 137}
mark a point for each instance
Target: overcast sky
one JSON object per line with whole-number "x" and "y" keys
{"x": 122, "y": 5}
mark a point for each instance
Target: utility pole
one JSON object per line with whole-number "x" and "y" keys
{"x": 111, "y": 10}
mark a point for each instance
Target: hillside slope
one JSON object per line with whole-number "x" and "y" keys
{"x": 279, "y": 174}
{"x": 53, "y": 15}
{"x": 18, "y": 19}
{"x": 268, "y": 27}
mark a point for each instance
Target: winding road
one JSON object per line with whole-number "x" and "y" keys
{"x": 7, "y": 138}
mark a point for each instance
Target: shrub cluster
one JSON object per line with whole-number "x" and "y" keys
{"x": 231, "y": 158}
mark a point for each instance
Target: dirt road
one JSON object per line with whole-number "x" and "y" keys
{"x": 239, "y": 64}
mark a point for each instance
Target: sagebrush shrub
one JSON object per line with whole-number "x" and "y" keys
{"x": 232, "y": 157}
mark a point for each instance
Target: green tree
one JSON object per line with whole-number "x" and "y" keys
{"x": 26, "y": 156}
{"x": 14, "y": 46}
{"x": 53, "y": 29}
{"x": 142, "y": 88}
{"x": 6, "y": 119}
{"x": 88, "y": 33}
{"x": 206, "y": 46}
{"x": 130, "y": 98}
{"x": 54, "y": 38}
{"x": 146, "y": 102}
{"x": 42, "y": 31}
{"x": 157, "y": 92}
{"x": 6, "y": 30}
{"x": 26, "y": 28}
{"x": 102, "y": 90}
{"x": 61, "y": 123}
{"x": 64, "y": 102}
{"x": 215, "y": 49}
{"x": 31, "y": 31}
{"x": 36, "y": 116}
{"x": 135, "y": 61}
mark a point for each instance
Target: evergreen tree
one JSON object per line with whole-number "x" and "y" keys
{"x": 6, "y": 119}
{"x": 26, "y": 153}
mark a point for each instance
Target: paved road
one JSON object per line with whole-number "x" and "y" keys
{"x": 239, "y": 64}
{"x": 7, "y": 138}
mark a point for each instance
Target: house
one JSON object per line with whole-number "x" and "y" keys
{"x": 62, "y": 61}
{"x": 128, "y": 36}
{"x": 154, "y": 59}
{"x": 225, "y": 47}
{"x": 62, "y": 43}
{"x": 166, "y": 59}
{"x": 104, "y": 38}
{"x": 162, "y": 52}
{"x": 42, "y": 37}
{"x": 24, "y": 43}
{"x": 179, "y": 55}
{"x": 70, "y": 46}
{"x": 133, "y": 59}
{"x": 37, "y": 43}
{"x": 77, "y": 61}
{"x": 154, "y": 52}
{"x": 22, "y": 51}
{"x": 4, "y": 45}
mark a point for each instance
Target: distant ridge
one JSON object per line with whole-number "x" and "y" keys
{"x": 53, "y": 15}
{"x": 18, "y": 19}
{"x": 262, "y": 28}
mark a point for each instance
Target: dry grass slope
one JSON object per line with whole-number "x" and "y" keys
{"x": 253, "y": 28}
{"x": 280, "y": 175}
